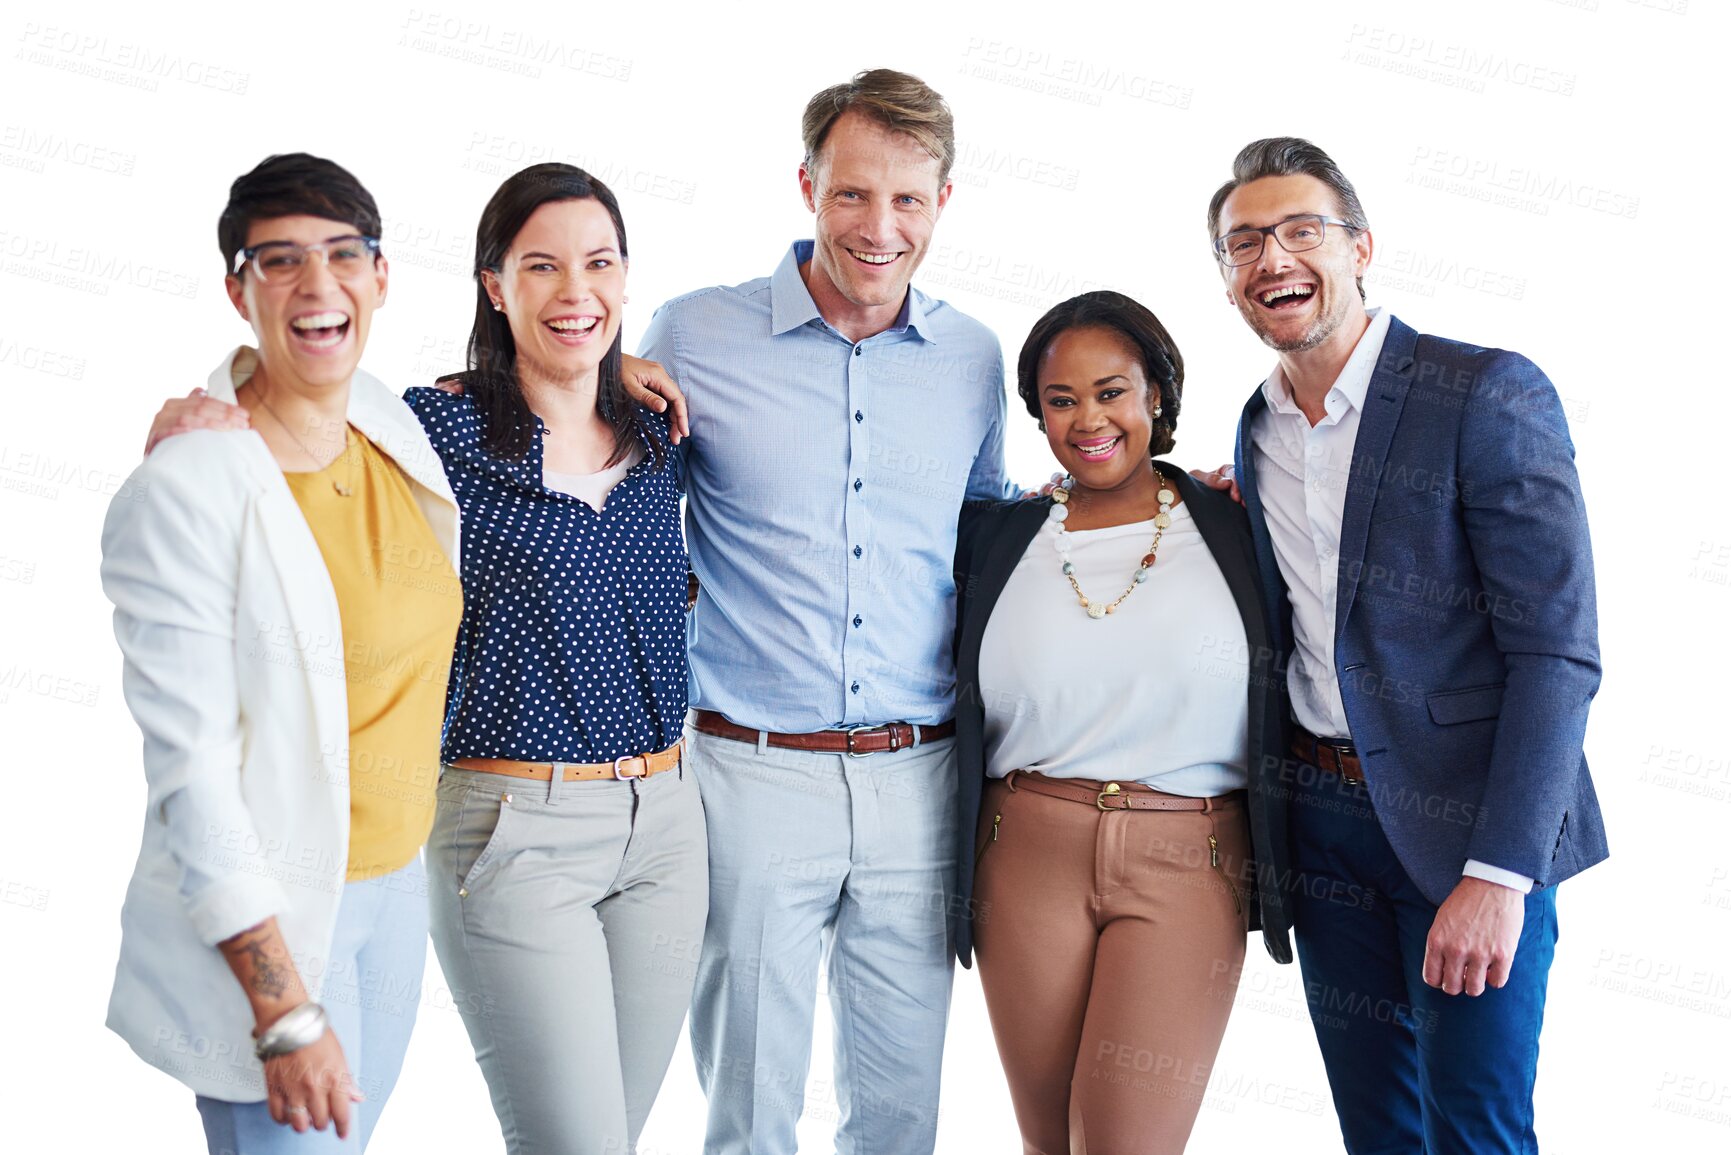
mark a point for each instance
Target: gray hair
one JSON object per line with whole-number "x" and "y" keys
{"x": 1289, "y": 156}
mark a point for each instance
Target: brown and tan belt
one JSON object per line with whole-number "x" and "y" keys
{"x": 637, "y": 766}
{"x": 1113, "y": 795}
{"x": 859, "y": 741}
{"x": 1333, "y": 755}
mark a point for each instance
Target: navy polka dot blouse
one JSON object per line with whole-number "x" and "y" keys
{"x": 572, "y": 647}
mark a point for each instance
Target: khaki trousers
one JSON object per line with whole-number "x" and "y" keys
{"x": 1110, "y": 944}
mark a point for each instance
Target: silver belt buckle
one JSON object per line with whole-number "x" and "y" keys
{"x": 852, "y": 753}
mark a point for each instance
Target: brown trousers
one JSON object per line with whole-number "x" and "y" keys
{"x": 1110, "y": 946}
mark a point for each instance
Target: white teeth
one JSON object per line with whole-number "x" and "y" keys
{"x": 572, "y": 324}
{"x": 319, "y": 321}
{"x": 875, "y": 258}
{"x": 1274, "y": 295}
{"x": 1099, "y": 450}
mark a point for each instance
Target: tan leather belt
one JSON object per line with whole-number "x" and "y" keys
{"x": 638, "y": 766}
{"x": 1113, "y": 795}
{"x": 859, "y": 741}
{"x": 1334, "y": 755}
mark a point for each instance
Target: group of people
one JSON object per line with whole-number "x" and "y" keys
{"x": 847, "y": 714}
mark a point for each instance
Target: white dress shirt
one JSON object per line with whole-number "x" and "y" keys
{"x": 1156, "y": 693}
{"x": 1302, "y": 473}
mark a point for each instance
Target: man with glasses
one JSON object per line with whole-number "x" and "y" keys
{"x": 1421, "y": 535}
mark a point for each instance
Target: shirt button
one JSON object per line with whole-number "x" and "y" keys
{"x": 857, "y": 350}
{"x": 858, "y": 416}
{"x": 857, "y": 551}
{"x": 855, "y": 687}
{"x": 857, "y": 620}
{"x": 856, "y": 484}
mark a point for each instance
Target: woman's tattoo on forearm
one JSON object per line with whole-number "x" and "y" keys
{"x": 271, "y": 973}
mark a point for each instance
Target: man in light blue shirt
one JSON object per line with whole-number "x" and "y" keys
{"x": 839, "y": 418}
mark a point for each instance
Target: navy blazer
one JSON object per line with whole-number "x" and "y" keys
{"x": 990, "y": 542}
{"x": 1466, "y": 640}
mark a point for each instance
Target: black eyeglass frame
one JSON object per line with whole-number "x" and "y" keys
{"x": 1267, "y": 231}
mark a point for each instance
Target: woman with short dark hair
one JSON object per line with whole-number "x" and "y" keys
{"x": 286, "y": 663}
{"x": 1113, "y": 698}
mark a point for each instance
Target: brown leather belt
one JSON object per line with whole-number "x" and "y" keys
{"x": 1334, "y": 755}
{"x": 859, "y": 741}
{"x": 638, "y": 766}
{"x": 1112, "y": 795}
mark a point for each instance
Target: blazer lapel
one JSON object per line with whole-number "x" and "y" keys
{"x": 1244, "y": 467}
{"x": 993, "y": 569}
{"x": 1383, "y": 403}
{"x": 391, "y": 425}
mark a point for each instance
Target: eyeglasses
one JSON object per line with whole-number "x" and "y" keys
{"x": 1296, "y": 235}
{"x": 283, "y": 262}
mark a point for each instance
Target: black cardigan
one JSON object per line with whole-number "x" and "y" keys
{"x": 990, "y": 541}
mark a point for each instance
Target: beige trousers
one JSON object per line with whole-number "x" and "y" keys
{"x": 1110, "y": 944}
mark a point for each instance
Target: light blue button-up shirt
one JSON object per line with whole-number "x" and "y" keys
{"x": 823, "y": 482}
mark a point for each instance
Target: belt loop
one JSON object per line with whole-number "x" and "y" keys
{"x": 916, "y": 727}
{"x": 762, "y": 743}
{"x": 553, "y": 782}
{"x": 1010, "y": 780}
{"x": 1208, "y": 806}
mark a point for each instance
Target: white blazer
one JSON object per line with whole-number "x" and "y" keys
{"x": 233, "y": 649}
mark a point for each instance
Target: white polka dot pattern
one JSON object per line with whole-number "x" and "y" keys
{"x": 572, "y": 647}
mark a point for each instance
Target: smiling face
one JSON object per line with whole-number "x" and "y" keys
{"x": 877, "y": 197}
{"x": 1294, "y": 301}
{"x": 1097, "y": 403}
{"x": 562, "y": 283}
{"x": 311, "y": 328}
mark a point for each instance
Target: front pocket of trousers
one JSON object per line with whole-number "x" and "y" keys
{"x": 1220, "y": 858}
{"x": 991, "y": 836}
{"x": 481, "y": 826}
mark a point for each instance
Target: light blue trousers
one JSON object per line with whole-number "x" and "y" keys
{"x": 371, "y": 992}
{"x": 815, "y": 853}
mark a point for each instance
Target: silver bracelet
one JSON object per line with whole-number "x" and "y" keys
{"x": 301, "y": 1027}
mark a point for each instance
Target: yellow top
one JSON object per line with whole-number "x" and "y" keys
{"x": 400, "y": 603}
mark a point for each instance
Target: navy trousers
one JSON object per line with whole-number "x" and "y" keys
{"x": 1413, "y": 1071}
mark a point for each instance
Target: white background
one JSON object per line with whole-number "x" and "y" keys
{"x": 1539, "y": 174}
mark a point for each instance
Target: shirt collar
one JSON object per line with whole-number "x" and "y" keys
{"x": 791, "y": 305}
{"x": 1353, "y": 384}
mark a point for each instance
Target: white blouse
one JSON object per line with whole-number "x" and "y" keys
{"x": 1156, "y": 692}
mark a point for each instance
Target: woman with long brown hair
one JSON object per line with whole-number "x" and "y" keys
{"x": 568, "y": 860}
